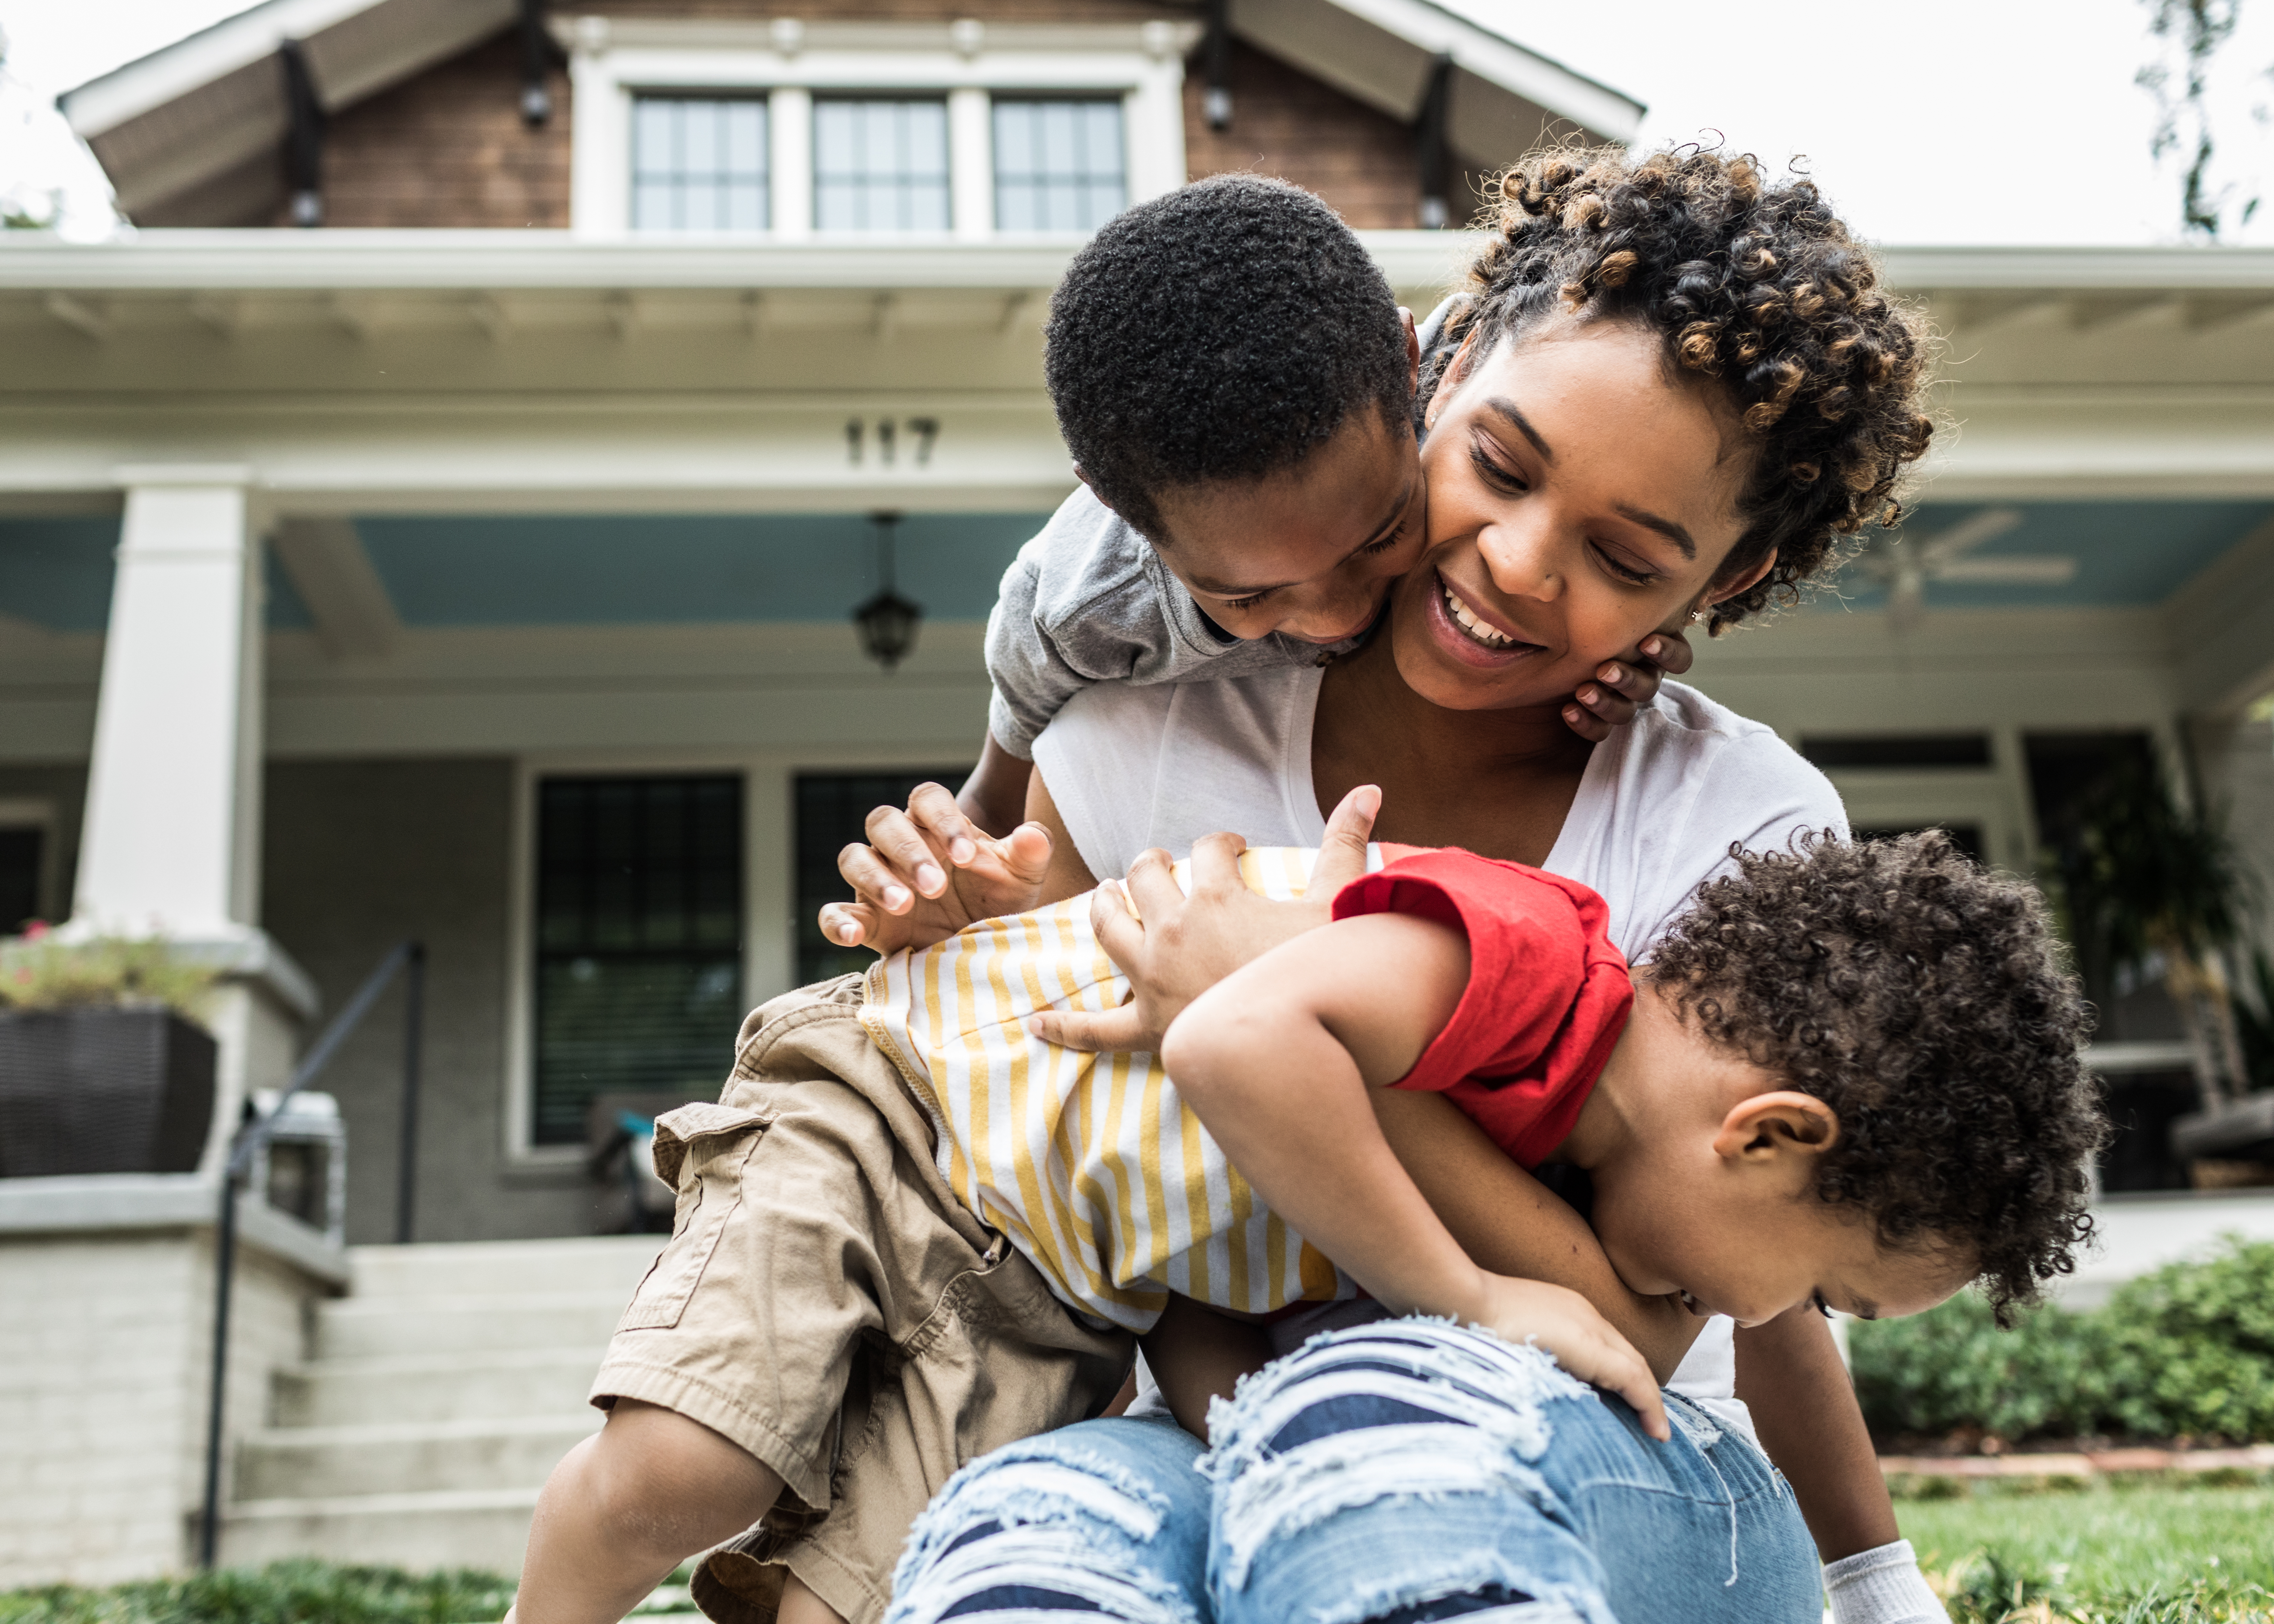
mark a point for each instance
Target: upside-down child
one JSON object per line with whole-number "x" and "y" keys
{"x": 1848, "y": 1078}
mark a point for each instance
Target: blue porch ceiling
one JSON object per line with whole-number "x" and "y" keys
{"x": 467, "y": 570}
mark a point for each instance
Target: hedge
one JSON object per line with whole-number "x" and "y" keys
{"x": 2187, "y": 1351}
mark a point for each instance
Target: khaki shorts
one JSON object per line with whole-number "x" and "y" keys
{"x": 827, "y": 1304}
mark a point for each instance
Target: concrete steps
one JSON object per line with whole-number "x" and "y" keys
{"x": 443, "y": 1390}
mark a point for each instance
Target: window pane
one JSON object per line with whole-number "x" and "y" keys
{"x": 1058, "y": 164}
{"x": 832, "y": 810}
{"x": 698, "y": 163}
{"x": 879, "y": 165}
{"x": 639, "y": 959}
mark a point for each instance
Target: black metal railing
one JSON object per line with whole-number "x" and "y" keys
{"x": 408, "y": 959}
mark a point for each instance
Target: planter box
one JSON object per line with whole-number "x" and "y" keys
{"x": 103, "y": 1091}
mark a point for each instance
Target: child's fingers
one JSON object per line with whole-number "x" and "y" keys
{"x": 1585, "y": 723}
{"x": 1153, "y": 892}
{"x": 1669, "y": 651}
{"x": 848, "y": 924}
{"x": 872, "y": 880}
{"x": 1118, "y": 931}
{"x": 899, "y": 844}
{"x": 1342, "y": 853}
{"x": 1625, "y": 1373}
{"x": 932, "y": 807}
{"x": 1215, "y": 863}
{"x": 1613, "y": 705}
{"x": 1027, "y": 853}
{"x": 1108, "y": 1031}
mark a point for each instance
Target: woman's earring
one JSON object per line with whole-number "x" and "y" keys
{"x": 1697, "y": 614}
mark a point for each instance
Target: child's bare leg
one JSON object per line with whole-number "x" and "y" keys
{"x": 800, "y": 1605}
{"x": 626, "y": 1505}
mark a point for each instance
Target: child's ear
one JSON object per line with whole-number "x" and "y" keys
{"x": 1456, "y": 373}
{"x": 1769, "y": 1125}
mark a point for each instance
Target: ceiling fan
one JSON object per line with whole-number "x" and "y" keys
{"x": 1904, "y": 566}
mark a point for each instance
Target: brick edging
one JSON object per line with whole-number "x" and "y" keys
{"x": 2089, "y": 1463}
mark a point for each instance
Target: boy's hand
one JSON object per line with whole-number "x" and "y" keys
{"x": 929, "y": 871}
{"x": 1566, "y": 1324}
{"x": 1182, "y": 946}
{"x": 1622, "y": 687}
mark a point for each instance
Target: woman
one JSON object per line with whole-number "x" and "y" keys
{"x": 1674, "y": 387}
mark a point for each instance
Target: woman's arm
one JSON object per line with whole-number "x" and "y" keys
{"x": 1278, "y": 1060}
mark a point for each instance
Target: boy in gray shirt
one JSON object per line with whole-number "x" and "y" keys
{"x": 1213, "y": 356}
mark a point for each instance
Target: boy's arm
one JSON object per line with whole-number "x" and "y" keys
{"x": 1197, "y": 1354}
{"x": 1790, "y": 1375}
{"x": 1278, "y": 1060}
{"x": 1512, "y": 1224}
{"x": 994, "y": 797}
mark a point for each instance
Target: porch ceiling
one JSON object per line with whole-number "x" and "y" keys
{"x": 462, "y": 570}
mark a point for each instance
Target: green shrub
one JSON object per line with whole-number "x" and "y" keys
{"x": 2187, "y": 1350}
{"x": 300, "y": 1592}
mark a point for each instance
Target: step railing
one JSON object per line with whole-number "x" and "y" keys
{"x": 409, "y": 960}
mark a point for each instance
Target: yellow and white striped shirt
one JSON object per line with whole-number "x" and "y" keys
{"x": 1090, "y": 1163}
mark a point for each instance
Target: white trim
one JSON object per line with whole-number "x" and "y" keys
{"x": 615, "y": 59}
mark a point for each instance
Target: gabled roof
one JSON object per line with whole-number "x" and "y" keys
{"x": 185, "y": 130}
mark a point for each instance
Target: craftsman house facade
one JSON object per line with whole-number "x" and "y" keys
{"x": 471, "y": 507}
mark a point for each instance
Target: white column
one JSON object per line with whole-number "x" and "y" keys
{"x": 789, "y": 128}
{"x": 172, "y": 840}
{"x": 971, "y": 163}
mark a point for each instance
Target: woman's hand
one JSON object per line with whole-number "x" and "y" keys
{"x": 927, "y": 872}
{"x": 1566, "y": 1324}
{"x": 1622, "y": 687}
{"x": 1175, "y": 948}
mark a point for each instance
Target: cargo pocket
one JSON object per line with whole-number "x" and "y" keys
{"x": 702, "y": 1149}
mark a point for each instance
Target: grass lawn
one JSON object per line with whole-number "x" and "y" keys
{"x": 2142, "y": 1551}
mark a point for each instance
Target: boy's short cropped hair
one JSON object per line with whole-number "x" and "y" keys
{"x": 1925, "y": 1000}
{"x": 1224, "y": 331}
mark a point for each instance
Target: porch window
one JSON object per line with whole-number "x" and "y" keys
{"x": 639, "y": 954}
{"x": 832, "y": 811}
{"x": 880, "y": 165}
{"x": 20, "y": 878}
{"x": 698, "y": 163}
{"x": 1058, "y": 164}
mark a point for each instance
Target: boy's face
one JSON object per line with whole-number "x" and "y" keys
{"x": 1309, "y": 552}
{"x": 1714, "y": 1192}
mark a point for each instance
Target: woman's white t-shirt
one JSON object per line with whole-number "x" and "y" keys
{"x": 1662, "y": 802}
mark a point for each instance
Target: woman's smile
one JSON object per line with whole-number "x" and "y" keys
{"x": 1475, "y": 636}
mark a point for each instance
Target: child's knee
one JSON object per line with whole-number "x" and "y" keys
{"x": 672, "y": 1482}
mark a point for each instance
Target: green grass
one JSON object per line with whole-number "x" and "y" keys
{"x": 298, "y": 1592}
{"x": 2124, "y": 1553}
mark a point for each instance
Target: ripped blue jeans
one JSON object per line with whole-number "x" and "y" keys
{"x": 1404, "y": 1471}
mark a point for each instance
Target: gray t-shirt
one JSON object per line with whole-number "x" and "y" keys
{"x": 1088, "y": 600}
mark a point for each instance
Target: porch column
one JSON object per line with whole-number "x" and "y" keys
{"x": 171, "y": 844}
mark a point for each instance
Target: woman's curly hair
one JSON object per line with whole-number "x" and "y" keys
{"x": 1924, "y": 1000}
{"x": 1758, "y": 286}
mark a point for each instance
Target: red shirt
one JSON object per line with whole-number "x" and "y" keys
{"x": 1548, "y": 994}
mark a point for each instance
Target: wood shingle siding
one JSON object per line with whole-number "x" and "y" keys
{"x": 1287, "y": 124}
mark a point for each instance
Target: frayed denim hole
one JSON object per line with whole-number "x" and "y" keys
{"x": 1020, "y": 1598}
{"x": 1275, "y": 1498}
{"x": 1352, "y": 1414}
{"x": 1475, "y": 1572}
{"x": 1482, "y": 1600}
{"x": 968, "y": 1535}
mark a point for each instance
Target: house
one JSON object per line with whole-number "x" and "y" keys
{"x": 443, "y": 519}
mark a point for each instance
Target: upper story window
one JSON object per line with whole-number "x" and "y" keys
{"x": 699, "y": 163}
{"x": 880, "y": 165}
{"x": 1058, "y": 164}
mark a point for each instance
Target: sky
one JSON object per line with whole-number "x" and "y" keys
{"x": 1977, "y": 122}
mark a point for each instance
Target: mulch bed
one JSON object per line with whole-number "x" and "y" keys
{"x": 2055, "y": 1463}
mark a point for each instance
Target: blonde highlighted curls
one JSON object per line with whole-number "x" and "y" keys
{"x": 1756, "y": 285}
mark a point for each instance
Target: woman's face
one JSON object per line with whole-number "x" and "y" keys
{"x": 1578, "y": 498}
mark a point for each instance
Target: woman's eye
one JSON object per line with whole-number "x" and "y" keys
{"x": 1491, "y": 472}
{"x": 1246, "y": 603}
{"x": 1623, "y": 571}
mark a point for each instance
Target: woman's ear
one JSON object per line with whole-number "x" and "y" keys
{"x": 1768, "y": 1126}
{"x": 1456, "y": 373}
{"x": 1412, "y": 349}
{"x": 1723, "y": 590}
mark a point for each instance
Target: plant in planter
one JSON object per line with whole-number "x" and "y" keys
{"x": 102, "y": 1066}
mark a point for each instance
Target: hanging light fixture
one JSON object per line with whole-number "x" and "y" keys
{"x": 887, "y": 621}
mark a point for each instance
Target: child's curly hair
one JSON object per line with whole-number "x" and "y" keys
{"x": 1924, "y": 1000}
{"x": 1756, "y": 285}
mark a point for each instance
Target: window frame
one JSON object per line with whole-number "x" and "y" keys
{"x": 616, "y": 59}
{"x": 715, "y": 96}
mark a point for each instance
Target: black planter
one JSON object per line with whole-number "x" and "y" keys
{"x": 103, "y": 1091}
